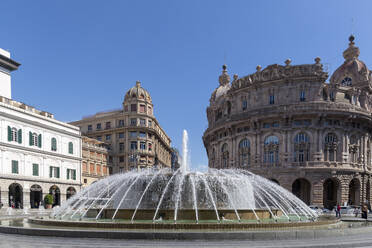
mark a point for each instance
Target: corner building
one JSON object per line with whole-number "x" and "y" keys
{"x": 288, "y": 124}
{"x": 134, "y": 137}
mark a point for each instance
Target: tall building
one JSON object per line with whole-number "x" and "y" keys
{"x": 134, "y": 137}
{"x": 38, "y": 154}
{"x": 94, "y": 164}
{"x": 286, "y": 123}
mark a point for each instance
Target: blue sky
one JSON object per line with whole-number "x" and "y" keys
{"x": 80, "y": 57}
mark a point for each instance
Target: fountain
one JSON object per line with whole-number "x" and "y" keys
{"x": 181, "y": 196}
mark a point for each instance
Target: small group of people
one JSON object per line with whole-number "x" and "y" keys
{"x": 363, "y": 210}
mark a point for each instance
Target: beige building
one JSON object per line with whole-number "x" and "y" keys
{"x": 134, "y": 137}
{"x": 94, "y": 164}
{"x": 289, "y": 125}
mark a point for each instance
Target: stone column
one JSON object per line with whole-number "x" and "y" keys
{"x": 317, "y": 197}
{"x": 26, "y": 198}
{"x": 344, "y": 187}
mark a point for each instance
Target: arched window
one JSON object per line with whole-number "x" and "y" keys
{"x": 353, "y": 149}
{"x": 301, "y": 148}
{"x": 70, "y": 148}
{"x": 54, "y": 144}
{"x": 330, "y": 147}
{"x": 224, "y": 156}
{"x": 271, "y": 150}
{"x": 244, "y": 153}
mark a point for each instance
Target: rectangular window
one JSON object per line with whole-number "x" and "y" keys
{"x": 53, "y": 172}
{"x": 150, "y": 135}
{"x": 133, "y": 145}
{"x": 121, "y": 159}
{"x": 121, "y": 146}
{"x": 149, "y": 110}
{"x": 98, "y": 126}
{"x": 15, "y": 167}
{"x": 142, "y": 108}
{"x": 150, "y": 123}
{"x": 121, "y": 135}
{"x": 143, "y": 145}
{"x": 275, "y": 124}
{"x": 90, "y": 128}
{"x": 108, "y": 125}
{"x": 142, "y": 135}
{"x": 266, "y": 125}
{"x": 244, "y": 104}
{"x": 108, "y": 136}
{"x": 307, "y": 122}
{"x": 142, "y": 122}
{"x": 71, "y": 174}
{"x": 133, "y": 107}
{"x": 133, "y": 122}
{"x": 272, "y": 99}
{"x": 35, "y": 169}
{"x": 99, "y": 138}
{"x": 121, "y": 123}
{"x": 150, "y": 147}
{"x": 302, "y": 96}
{"x": 133, "y": 134}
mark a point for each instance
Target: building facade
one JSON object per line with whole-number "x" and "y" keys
{"x": 38, "y": 154}
{"x": 134, "y": 137}
{"x": 94, "y": 164}
{"x": 288, "y": 124}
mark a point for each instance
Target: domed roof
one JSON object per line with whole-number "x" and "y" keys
{"x": 137, "y": 92}
{"x": 352, "y": 67}
{"x": 225, "y": 85}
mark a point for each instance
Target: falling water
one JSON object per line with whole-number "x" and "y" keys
{"x": 163, "y": 191}
{"x": 185, "y": 152}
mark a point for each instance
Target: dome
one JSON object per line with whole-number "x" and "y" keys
{"x": 352, "y": 69}
{"x": 138, "y": 93}
{"x": 224, "y": 87}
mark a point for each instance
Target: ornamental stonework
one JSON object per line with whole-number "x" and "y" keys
{"x": 290, "y": 125}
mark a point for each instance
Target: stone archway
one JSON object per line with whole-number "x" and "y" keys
{"x": 15, "y": 196}
{"x": 302, "y": 189}
{"x": 56, "y": 193}
{"x": 70, "y": 192}
{"x": 331, "y": 193}
{"x": 36, "y": 195}
{"x": 354, "y": 192}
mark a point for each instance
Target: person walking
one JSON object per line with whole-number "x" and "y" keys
{"x": 338, "y": 211}
{"x": 364, "y": 211}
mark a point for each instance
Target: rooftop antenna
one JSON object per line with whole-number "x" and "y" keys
{"x": 352, "y": 26}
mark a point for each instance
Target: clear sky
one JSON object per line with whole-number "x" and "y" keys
{"x": 80, "y": 57}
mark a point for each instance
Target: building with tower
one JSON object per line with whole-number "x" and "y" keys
{"x": 288, "y": 124}
{"x": 134, "y": 137}
{"x": 38, "y": 154}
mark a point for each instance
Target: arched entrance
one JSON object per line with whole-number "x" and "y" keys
{"x": 70, "y": 192}
{"x": 301, "y": 188}
{"x": 354, "y": 192}
{"x": 331, "y": 193}
{"x": 56, "y": 193}
{"x": 36, "y": 195}
{"x": 274, "y": 180}
{"x": 15, "y": 195}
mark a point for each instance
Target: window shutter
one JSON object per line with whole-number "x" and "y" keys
{"x": 39, "y": 141}
{"x": 70, "y": 148}
{"x": 30, "y": 138}
{"x": 50, "y": 171}
{"x": 15, "y": 166}
{"x": 68, "y": 173}
{"x": 74, "y": 174}
{"x": 20, "y": 136}
{"x": 57, "y": 172}
{"x": 9, "y": 133}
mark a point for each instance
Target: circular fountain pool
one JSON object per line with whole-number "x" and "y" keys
{"x": 163, "y": 196}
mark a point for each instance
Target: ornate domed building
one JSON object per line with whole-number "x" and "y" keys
{"x": 135, "y": 138}
{"x": 286, "y": 123}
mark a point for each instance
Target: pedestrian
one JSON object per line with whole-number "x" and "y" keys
{"x": 338, "y": 211}
{"x": 364, "y": 211}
